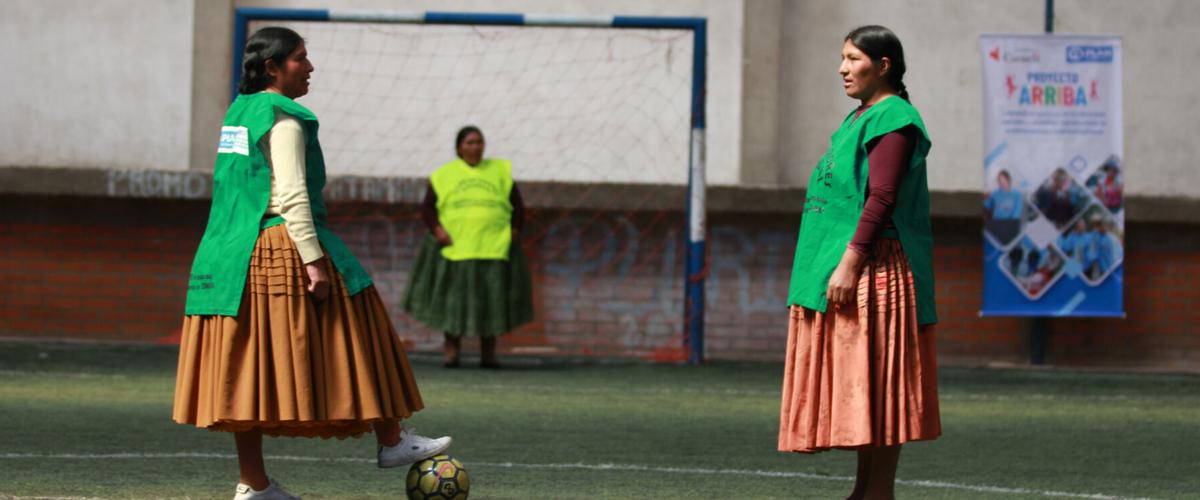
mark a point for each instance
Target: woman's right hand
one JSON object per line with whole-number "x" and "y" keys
{"x": 318, "y": 280}
{"x": 442, "y": 237}
{"x": 843, "y": 286}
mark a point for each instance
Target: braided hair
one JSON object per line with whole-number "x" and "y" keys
{"x": 272, "y": 43}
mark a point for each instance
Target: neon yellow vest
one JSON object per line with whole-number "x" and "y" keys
{"x": 473, "y": 206}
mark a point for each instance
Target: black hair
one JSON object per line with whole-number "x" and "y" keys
{"x": 877, "y": 43}
{"x": 463, "y": 133}
{"x": 272, "y": 43}
{"x": 1015, "y": 256}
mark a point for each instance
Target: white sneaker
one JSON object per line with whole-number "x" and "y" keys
{"x": 412, "y": 448}
{"x": 273, "y": 492}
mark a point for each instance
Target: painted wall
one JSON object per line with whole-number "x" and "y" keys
{"x": 158, "y": 71}
{"x": 1161, "y": 61}
{"x": 95, "y": 84}
{"x": 154, "y": 92}
{"x": 941, "y": 48}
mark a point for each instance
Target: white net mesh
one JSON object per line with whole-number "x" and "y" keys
{"x": 564, "y": 104}
{"x": 596, "y": 122}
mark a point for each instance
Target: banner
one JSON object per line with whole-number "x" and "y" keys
{"x": 1053, "y": 213}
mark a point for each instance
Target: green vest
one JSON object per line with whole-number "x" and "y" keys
{"x": 473, "y": 206}
{"x": 241, "y": 191}
{"x": 835, "y": 199}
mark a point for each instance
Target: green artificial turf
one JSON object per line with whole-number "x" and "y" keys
{"x": 94, "y": 421}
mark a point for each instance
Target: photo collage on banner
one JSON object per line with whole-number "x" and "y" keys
{"x": 1053, "y": 211}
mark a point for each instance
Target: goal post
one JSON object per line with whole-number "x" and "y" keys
{"x": 694, "y": 260}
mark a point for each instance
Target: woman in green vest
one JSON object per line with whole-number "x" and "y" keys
{"x": 283, "y": 332}
{"x": 471, "y": 277}
{"x": 861, "y": 367}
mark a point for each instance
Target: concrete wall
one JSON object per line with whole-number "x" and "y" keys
{"x": 211, "y": 76}
{"x": 96, "y": 84}
{"x": 943, "y": 78}
{"x": 941, "y": 46}
{"x": 152, "y": 75}
{"x": 762, "y": 37}
{"x": 157, "y": 72}
{"x": 1161, "y": 63}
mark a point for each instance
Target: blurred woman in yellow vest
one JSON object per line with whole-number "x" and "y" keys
{"x": 471, "y": 277}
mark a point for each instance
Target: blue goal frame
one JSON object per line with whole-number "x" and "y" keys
{"x": 695, "y": 270}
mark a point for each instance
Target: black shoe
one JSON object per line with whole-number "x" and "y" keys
{"x": 490, "y": 365}
{"x": 451, "y": 364}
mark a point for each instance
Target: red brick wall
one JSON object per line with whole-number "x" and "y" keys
{"x": 68, "y": 271}
{"x": 607, "y": 284}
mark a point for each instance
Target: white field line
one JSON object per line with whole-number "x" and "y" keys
{"x": 658, "y": 391}
{"x": 776, "y": 393}
{"x": 573, "y": 466}
{"x": 14, "y": 497}
{"x": 535, "y": 388}
{"x": 32, "y": 373}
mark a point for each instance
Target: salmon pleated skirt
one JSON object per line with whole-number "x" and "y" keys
{"x": 292, "y": 365}
{"x": 864, "y": 375}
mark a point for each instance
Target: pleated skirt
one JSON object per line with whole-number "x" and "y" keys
{"x": 482, "y": 298}
{"x": 862, "y": 375}
{"x": 292, "y": 365}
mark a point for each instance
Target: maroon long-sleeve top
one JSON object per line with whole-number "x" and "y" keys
{"x": 887, "y": 161}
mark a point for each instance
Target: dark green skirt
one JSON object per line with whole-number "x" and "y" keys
{"x": 469, "y": 297}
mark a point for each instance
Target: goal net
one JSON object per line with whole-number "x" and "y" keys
{"x": 564, "y": 104}
{"x": 597, "y": 122}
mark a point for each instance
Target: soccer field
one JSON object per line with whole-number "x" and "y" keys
{"x": 93, "y": 421}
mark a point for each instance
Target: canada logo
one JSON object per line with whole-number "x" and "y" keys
{"x": 995, "y": 54}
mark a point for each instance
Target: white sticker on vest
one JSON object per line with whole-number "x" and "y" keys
{"x": 235, "y": 140}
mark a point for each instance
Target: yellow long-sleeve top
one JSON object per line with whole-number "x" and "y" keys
{"x": 284, "y": 148}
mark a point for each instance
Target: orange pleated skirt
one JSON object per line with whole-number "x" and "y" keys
{"x": 862, "y": 375}
{"x": 289, "y": 364}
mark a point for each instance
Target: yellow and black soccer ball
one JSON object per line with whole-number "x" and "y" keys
{"x": 439, "y": 478}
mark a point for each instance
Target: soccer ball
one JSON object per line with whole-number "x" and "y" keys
{"x": 439, "y": 478}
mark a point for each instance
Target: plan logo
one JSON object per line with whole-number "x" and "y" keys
{"x": 234, "y": 140}
{"x": 1090, "y": 53}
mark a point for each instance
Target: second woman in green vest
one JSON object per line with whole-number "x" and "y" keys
{"x": 471, "y": 277}
{"x": 861, "y": 367}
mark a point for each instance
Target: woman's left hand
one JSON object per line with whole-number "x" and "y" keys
{"x": 843, "y": 284}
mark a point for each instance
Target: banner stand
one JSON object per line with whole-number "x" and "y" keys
{"x": 1054, "y": 178}
{"x": 1038, "y": 328}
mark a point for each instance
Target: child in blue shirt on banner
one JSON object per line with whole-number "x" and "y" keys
{"x": 1004, "y": 208}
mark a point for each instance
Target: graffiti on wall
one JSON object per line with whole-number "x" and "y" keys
{"x": 616, "y": 278}
{"x": 196, "y": 184}
{"x": 185, "y": 184}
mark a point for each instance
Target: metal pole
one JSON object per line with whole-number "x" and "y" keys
{"x": 1049, "y": 16}
{"x": 693, "y": 309}
{"x": 1039, "y": 327}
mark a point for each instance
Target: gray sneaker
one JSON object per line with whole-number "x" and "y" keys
{"x": 273, "y": 492}
{"x": 412, "y": 448}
